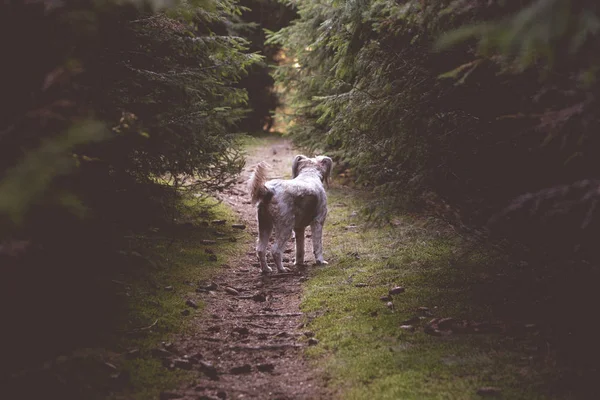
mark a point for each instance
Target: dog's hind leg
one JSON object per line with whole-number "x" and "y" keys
{"x": 265, "y": 227}
{"x": 299, "y": 232}
{"x": 316, "y": 228}
{"x": 283, "y": 233}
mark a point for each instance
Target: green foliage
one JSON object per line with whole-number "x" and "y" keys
{"x": 113, "y": 113}
{"x": 506, "y": 104}
{"x": 164, "y": 82}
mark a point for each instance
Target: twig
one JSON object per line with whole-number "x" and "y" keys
{"x": 261, "y": 327}
{"x": 267, "y": 347}
{"x": 284, "y": 315}
{"x": 145, "y": 328}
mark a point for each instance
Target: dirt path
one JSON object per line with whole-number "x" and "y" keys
{"x": 248, "y": 343}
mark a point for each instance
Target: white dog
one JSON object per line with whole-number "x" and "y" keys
{"x": 288, "y": 205}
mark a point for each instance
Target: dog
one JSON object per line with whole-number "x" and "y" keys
{"x": 291, "y": 205}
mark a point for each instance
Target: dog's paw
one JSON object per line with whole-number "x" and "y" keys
{"x": 266, "y": 270}
{"x": 322, "y": 262}
{"x": 284, "y": 269}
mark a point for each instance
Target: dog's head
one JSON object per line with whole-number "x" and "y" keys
{"x": 322, "y": 164}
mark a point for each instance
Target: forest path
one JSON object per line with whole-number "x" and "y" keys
{"x": 248, "y": 342}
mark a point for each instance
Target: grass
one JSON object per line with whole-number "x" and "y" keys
{"x": 363, "y": 349}
{"x": 178, "y": 263}
{"x": 140, "y": 304}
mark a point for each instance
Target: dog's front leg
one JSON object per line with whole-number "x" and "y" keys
{"x": 299, "y": 247}
{"x": 317, "y": 239}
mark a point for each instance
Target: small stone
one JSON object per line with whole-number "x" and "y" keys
{"x": 350, "y": 227}
{"x": 385, "y": 298}
{"x": 397, "y": 290}
{"x": 489, "y": 391}
{"x": 361, "y": 285}
{"x": 409, "y": 328}
{"x": 238, "y": 226}
{"x": 212, "y": 257}
{"x": 445, "y": 323}
{"x": 309, "y": 334}
{"x": 389, "y": 305}
{"x": 231, "y": 291}
{"x": 424, "y": 310}
{"x": 267, "y": 367}
{"x": 218, "y": 222}
{"x": 169, "y": 288}
{"x": 182, "y": 363}
{"x": 185, "y": 313}
{"x": 287, "y": 251}
{"x": 242, "y": 369}
{"x": 313, "y": 342}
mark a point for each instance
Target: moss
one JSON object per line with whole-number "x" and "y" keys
{"x": 176, "y": 262}
{"x": 362, "y": 347}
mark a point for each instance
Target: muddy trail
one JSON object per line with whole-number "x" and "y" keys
{"x": 248, "y": 342}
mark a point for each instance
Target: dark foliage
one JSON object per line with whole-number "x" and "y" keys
{"x": 112, "y": 111}
{"x": 476, "y": 110}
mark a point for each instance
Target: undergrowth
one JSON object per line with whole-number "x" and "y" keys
{"x": 361, "y": 345}
{"x": 146, "y": 291}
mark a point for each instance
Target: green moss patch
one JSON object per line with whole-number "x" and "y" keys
{"x": 361, "y": 345}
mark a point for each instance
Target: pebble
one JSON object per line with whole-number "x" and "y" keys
{"x": 218, "y": 222}
{"x": 409, "y": 328}
{"x": 397, "y": 290}
{"x": 385, "y": 298}
{"x": 313, "y": 342}
{"x": 238, "y": 226}
{"x": 169, "y": 288}
{"x": 361, "y": 285}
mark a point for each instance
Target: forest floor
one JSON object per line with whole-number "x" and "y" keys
{"x": 409, "y": 309}
{"x": 406, "y": 309}
{"x": 249, "y": 340}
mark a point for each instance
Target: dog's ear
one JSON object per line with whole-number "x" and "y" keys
{"x": 295, "y": 165}
{"x": 326, "y": 163}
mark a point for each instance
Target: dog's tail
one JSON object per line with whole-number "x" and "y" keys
{"x": 256, "y": 184}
